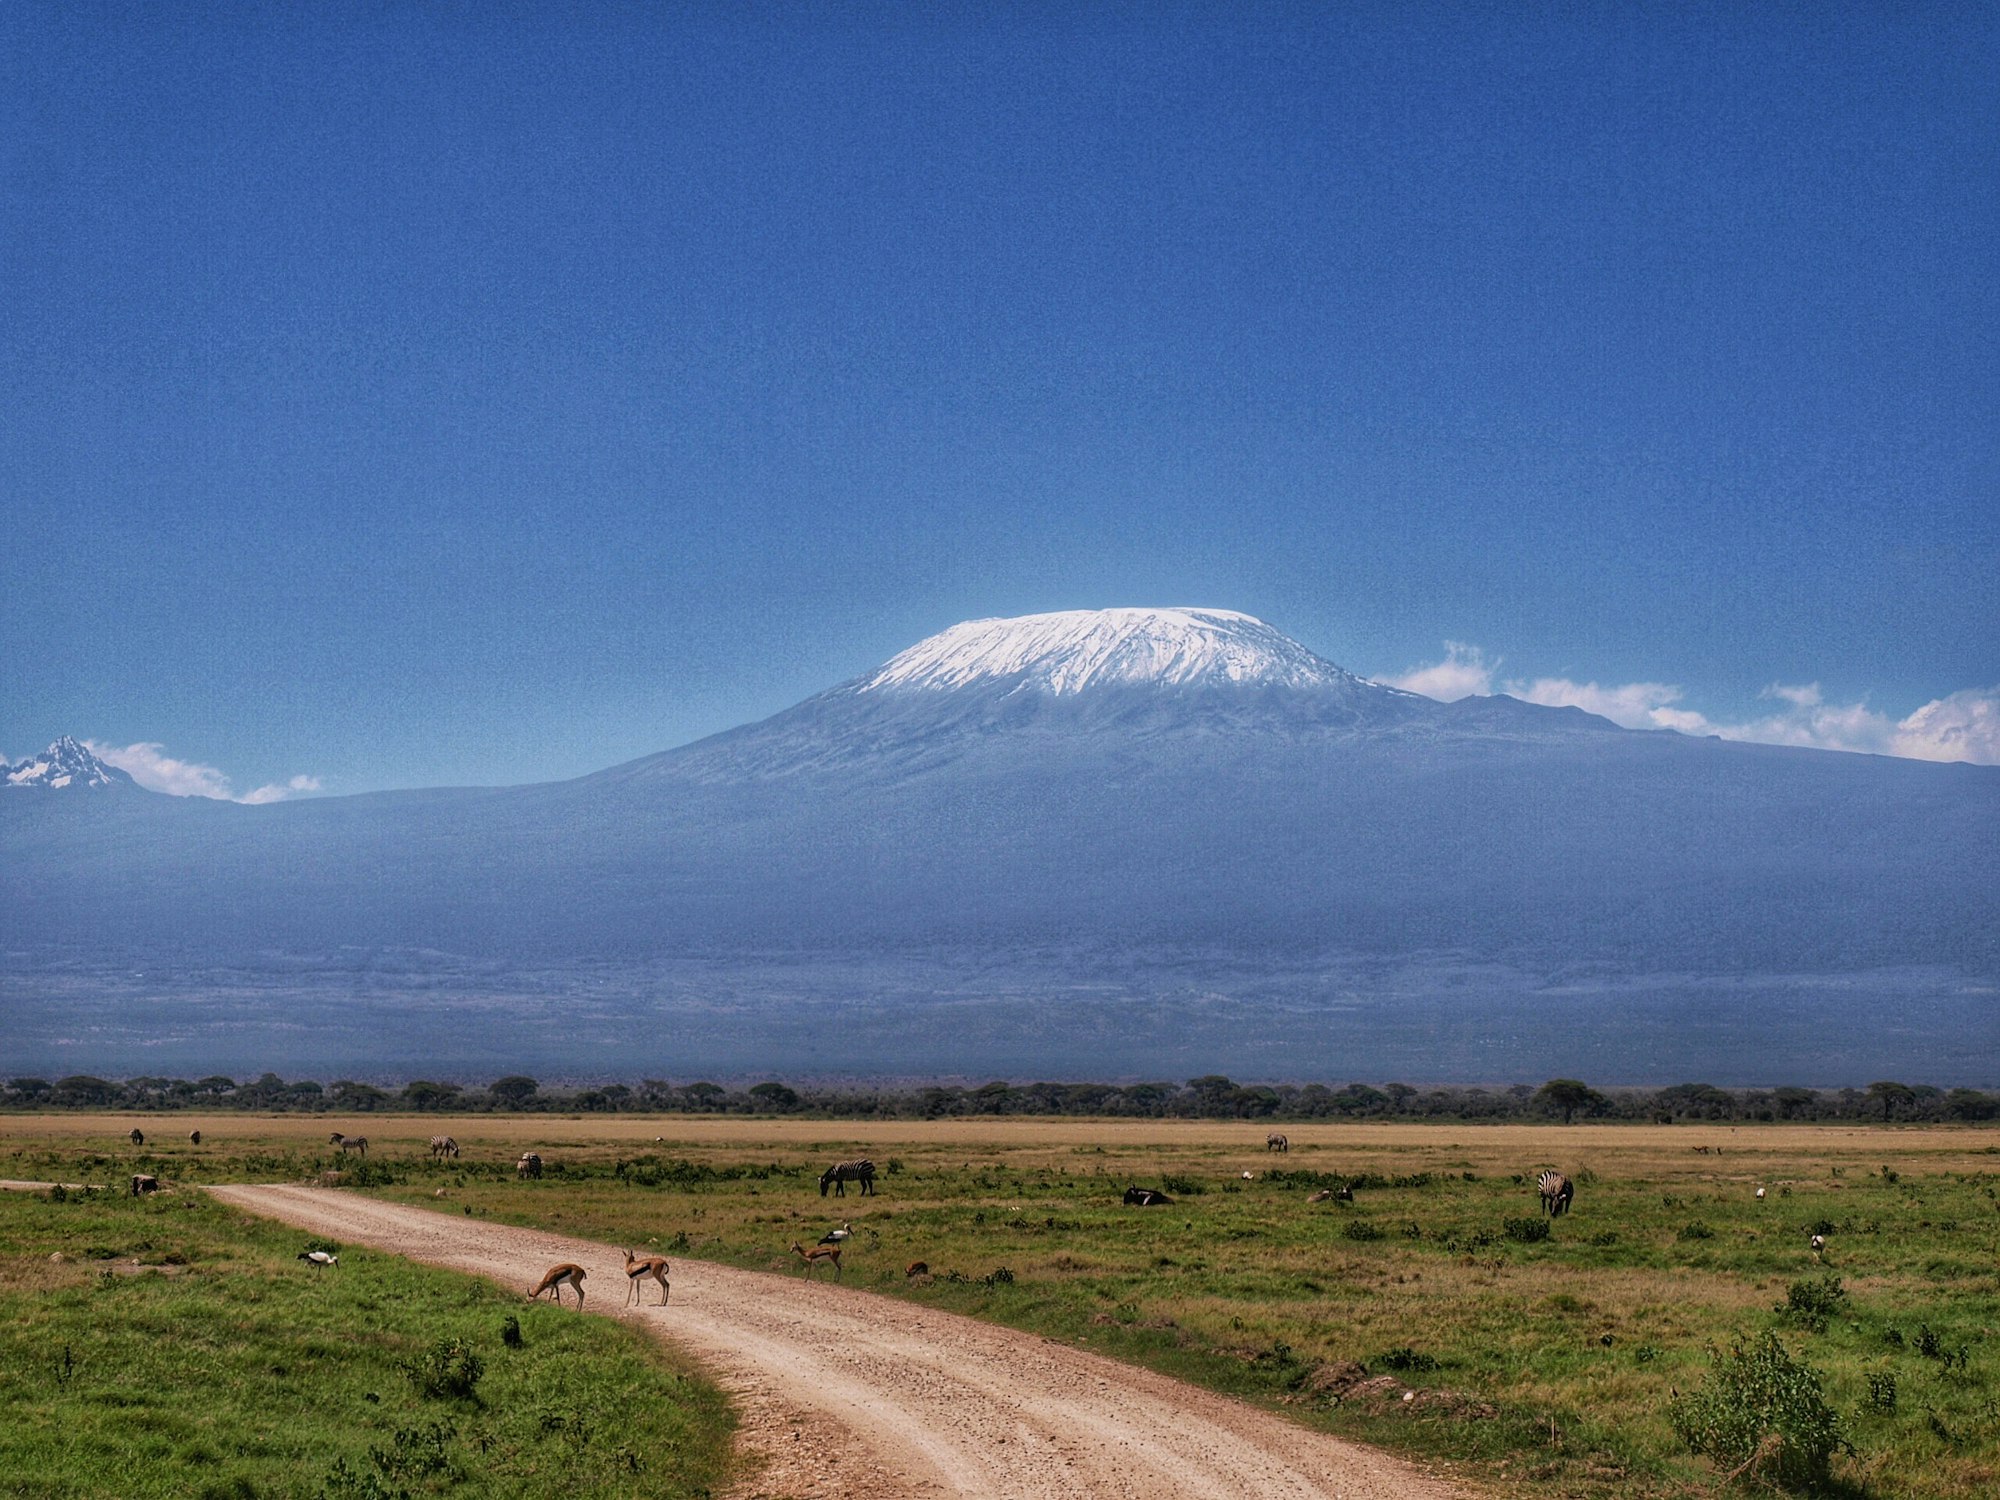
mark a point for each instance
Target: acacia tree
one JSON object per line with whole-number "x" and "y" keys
{"x": 515, "y": 1090}
{"x": 1570, "y": 1095}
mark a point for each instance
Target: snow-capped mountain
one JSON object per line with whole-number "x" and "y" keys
{"x": 1074, "y": 843}
{"x": 1076, "y": 651}
{"x": 64, "y": 765}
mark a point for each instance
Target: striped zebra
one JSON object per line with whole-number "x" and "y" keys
{"x": 1556, "y": 1191}
{"x": 839, "y": 1175}
{"x": 350, "y": 1142}
{"x": 1277, "y": 1141}
{"x": 443, "y": 1145}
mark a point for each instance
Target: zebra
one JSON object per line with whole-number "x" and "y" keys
{"x": 443, "y": 1145}
{"x": 530, "y": 1165}
{"x": 1146, "y": 1197}
{"x": 841, "y": 1173}
{"x": 350, "y": 1142}
{"x": 138, "y": 1136}
{"x": 141, "y": 1183}
{"x": 1276, "y": 1141}
{"x": 1556, "y": 1191}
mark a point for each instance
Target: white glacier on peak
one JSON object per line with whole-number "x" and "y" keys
{"x": 64, "y": 764}
{"x": 1073, "y": 651}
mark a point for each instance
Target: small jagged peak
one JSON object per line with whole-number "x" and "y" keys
{"x": 1076, "y": 651}
{"x": 65, "y": 765}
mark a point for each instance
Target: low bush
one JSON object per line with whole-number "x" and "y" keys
{"x": 449, "y": 1369}
{"x": 1761, "y": 1412}
{"x": 1527, "y": 1231}
{"x": 1810, "y": 1303}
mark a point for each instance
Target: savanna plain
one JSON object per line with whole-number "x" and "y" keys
{"x": 1396, "y": 1284}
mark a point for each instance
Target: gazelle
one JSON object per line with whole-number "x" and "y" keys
{"x": 638, "y": 1268}
{"x": 816, "y": 1255}
{"x": 555, "y": 1277}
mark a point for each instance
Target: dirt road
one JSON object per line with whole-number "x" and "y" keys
{"x": 845, "y": 1393}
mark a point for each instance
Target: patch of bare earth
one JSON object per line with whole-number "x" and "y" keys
{"x": 843, "y": 1392}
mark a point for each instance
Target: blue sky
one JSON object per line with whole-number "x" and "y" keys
{"x": 399, "y": 396}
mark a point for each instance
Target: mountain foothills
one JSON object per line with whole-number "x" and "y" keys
{"x": 1132, "y": 843}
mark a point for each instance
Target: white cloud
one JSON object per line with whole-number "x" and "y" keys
{"x": 276, "y": 793}
{"x": 1636, "y": 705}
{"x": 148, "y": 764}
{"x": 1464, "y": 673}
{"x": 1964, "y": 726}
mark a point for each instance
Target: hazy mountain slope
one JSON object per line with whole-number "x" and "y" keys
{"x": 1118, "y": 789}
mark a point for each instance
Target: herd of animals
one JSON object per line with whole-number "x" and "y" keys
{"x": 1555, "y": 1190}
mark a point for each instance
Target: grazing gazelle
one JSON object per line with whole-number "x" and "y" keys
{"x": 554, "y": 1280}
{"x": 638, "y": 1268}
{"x": 817, "y": 1255}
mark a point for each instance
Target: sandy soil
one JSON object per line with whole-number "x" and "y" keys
{"x": 844, "y": 1393}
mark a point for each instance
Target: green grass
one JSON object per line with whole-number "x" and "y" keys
{"x": 1542, "y": 1367}
{"x": 179, "y": 1349}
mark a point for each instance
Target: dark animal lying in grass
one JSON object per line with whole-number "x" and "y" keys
{"x": 1146, "y": 1197}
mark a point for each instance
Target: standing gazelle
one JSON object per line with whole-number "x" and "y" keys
{"x": 554, "y": 1280}
{"x": 638, "y": 1268}
{"x": 817, "y": 1256}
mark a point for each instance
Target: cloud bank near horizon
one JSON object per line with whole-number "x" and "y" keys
{"x": 148, "y": 764}
{"x": 1965, "y": 726}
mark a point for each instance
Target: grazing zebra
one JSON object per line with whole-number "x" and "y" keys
{"x": 1556, "y": 1191}
{"x": 1276, "y": 1142}
{"x": 144, "y": 1184}
{"x": 443, "y": 1145}
{"x": 194, "y": 1137}
{"x": 840, "y": 1174}
{"x": 530, "y": 1164}
{"x": 1146, "y": 1197}
{"x": 350, "y": 1142}
{"x": 138, "y": 1136}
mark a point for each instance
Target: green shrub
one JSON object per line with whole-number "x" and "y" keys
{"x": 1405, "y": 1358}
{"x": 1810, "y": 1303}
{"x": 1760, "y": 1412}
{"x": 1696, "y": 1230}
{"x": 1527, "y": 1231}
{"x": 1360, "y": 1229}
{"x": 448, "y": 1370}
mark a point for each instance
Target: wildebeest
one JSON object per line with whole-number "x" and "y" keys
{"x": 1146, "y": 1197}
{"x": 841, "y": 1173}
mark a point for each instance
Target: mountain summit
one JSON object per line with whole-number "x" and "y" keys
{"x": 65, "y": 765}
{"x": 1075, "y": 651}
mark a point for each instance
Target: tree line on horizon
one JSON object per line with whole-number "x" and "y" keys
{"x": 1210, "y": 1097}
